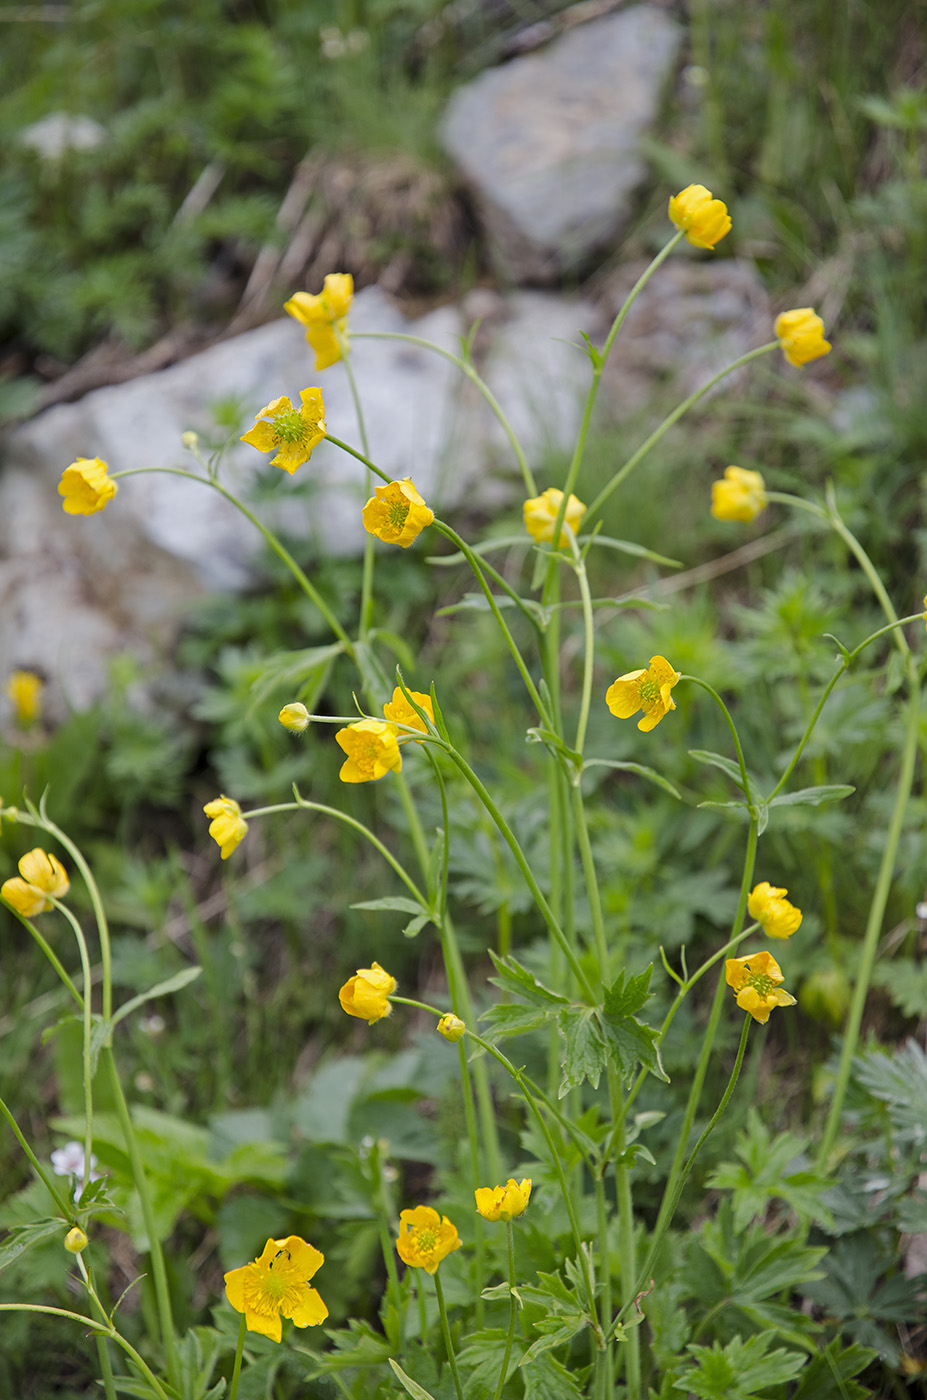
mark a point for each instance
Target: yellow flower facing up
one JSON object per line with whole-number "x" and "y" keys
{"x": 425, "y": 1238}
{"x": 399, "y": 711}
{"x": 801, "y": 336}
{"x": 228, "y": 827}
{"x": 740, "y": 496}
{"x": 372, "y": 749}
{"x": 540, "y": 515}
{"x": 503, "y": 1202}
{"x": 704, "y": 219}
{"x": 452, "y": 1027}
{"x": 276, "y": 1285}
{"x": 86, "y": 486}
{"x": 396, "y": 513}
{"x": 324, "y": 316}
{"x": 366, "y": 995}
{"x": 25, "y": 691}
{"x": 294, "y": 717}
{"x": 41, "y": 879}
{"x": 757, "y": 981}
{"x": 769, "y": 907}
{"x": 647, "y": 690}
{"x": 290, "y": 432}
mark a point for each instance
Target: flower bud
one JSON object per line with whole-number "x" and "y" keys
{"x": 452, "y": 1028}
{"x": 826, "y": 995}
{"x": 294, "y": 717}
{"x": 190, "y": 440}
{"x": 75, "y": 1240}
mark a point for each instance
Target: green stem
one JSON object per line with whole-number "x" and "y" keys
{"x": 50, "y": 955}
{"x": 239, "y": 1352}
{"x": 99, "y": 913}
{"x": 604, "y": 1381}
{"x": 87, "y": 1038}
{"x": 868, "y": 568}
{"x": 579, "y": 568}
{"x": 874, "y": 923}
{"x": 159, "y": 1273}
{"x": 448, "y": 1344}
{"x": 106, "y": 1366}
{"x": 468, "y": 369}
{"x": 100, "y": 1327}
{"x": 63, "y": 1206}
{"x": 366, "y": 604}
{"x": 627, "y": 1252}
{"x": 303, "y": 804}
{"x": 513, "y": 1309}
{"x": 592, "y": 884}
{"x": 744, "y": 779}
{"x": 270, "y": 538}
{"x": 667, "y": 423}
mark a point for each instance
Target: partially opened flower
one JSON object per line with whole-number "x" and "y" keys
{"x": 276, "y": 1285}
{"x": 769, "y": 907}
{"x": 396, "y": 513}
{"x": 757, "y": 981}
{"x": 399, "y": 711}
{"x": 294, "y": 717}
{"x": 86, "y": 486}
{"x": 425, "y": 1238}
{"x": 228, "y": 827}
{"x": 324, "y": 316}
{"x": 42, "y": 878}
{"x": 740, "y": 496}
{"x": 290, "y": 432}
{"x": 503, "y": 1202}
{"x": 372, "y": 750}
{"x": 801, "y": 336}
{"x": 24, "y": 689}
{"x": 452, "y": 1027}
{"x": 366, "y": 995}
{"x": 647, "y": 690}
{"x": 540, "y": 515}
{"x": 704, "y": 219}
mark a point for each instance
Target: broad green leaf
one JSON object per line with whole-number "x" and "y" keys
{"x": 512, "y": 977}
{"x": 170, "y": 984}
{"x": 630, "y": 1040}
{"x": 812, "y": 796}
{"x": 584, "y": 1052}
{"x": 740, "y": 1369}
{"x": 413, "y": 1388}
{"x": 828, "y": 1375}
{"x": 640, "y": 769}
{"x": 563, "y": 1317}
{"x": 762, "y": 1175}
{"x": 627, "y": 995}
{"x": 482, "y": 1359}
{"x": 546, "y": 1379}
{"x": 20, "y": 1239}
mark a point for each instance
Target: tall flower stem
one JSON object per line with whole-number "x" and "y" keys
{"x": 366, "y": 603}
{"x": 99, "y": 913}
{"x": 87, "y": 1038}
{"x": 102, "y": 1328}
{"x": 159, "y": 1273}
{"x": 37, "y": 1167}
{"x": 448, "y": 1344}
{"x": 49, "y": 953}
{"x": 106, "y": 1367}
{"x": 239, "y": 1352}
{"x": 627, "y": 1251}
{"x": 513, "y": 1309}
{"x": 874, "y": 921}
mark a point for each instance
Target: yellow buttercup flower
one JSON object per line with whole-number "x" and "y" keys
{"x": 86, "y": 486}
{"x": 366, "y": 995}
{"x": 324, "y": 315}
{"x": 25, "y": 690}
{"x": 425, "y": 1238}
{"x": 292, "y": 432}
{"x": 801, "y": 336}
{"x": 294, "y": 717}
{"x": 503, "y": 1202}
{"x": 41, "y": 879}
{"x": 396, "y": 513}
{"x": 399, "y": 711}
{"x": 705, "y": 220}
{"x": 276, "y": 1285}
{"x": 372, "y": 750}
{"x": 647, "y": 690}
{"x": 540, "y": 515}
{"x": 228, "y": 827}
{"x": 740, "y": 496}
{"x": 452, "y": 1027}
{"x": 769, "y": 907}
{"x": 756, "y": 980}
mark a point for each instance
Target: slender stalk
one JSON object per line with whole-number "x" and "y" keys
{"x": 303, "y": 803}
{"x": 745, "y": 781}
{"x": 592, "y": 884}
{"x": 270, "y": 538}
{"x": 239, "y": 1352}
{"x": 37, "y": 1167}
{"x": 99, "y": 913}
{"x": 366, "y": 603}
{"x": 88, "y": 1033}
{"x": 467, "y": 368}
{"x": 513, "y": 1309}
{"x": 99, "y": 1327}
{"x": 874, "y": 922}
{"x": 579, "y": 568}
{"x": 50, "y": 955}
{"x": 159, "y": 1273}
{"x": 448, "y": 1344}
{"x": 604, "y": 1380}
{"x": 627, "y": 1251}
{"x": 106, "y": 1367}
{"x": 667, "y": 423}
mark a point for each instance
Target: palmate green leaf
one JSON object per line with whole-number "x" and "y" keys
{"x": 482, "y": 1359}
{"x": 905, "y": 980}
{"x": 563, "y": 1318}
{"x": 733, "y": 1272}
{"x": 306, "y": 671}
{"x": 629, "y": 1040}
{"x": 740, "y": 1369}
{"x": 584, "y": 1052}
{"x": 900, "y": 1081}
{"x": 546, "y": 1379}
{"x": 512, "y": 977}
{"x": 828, "y": 1375}
{"x": 762, "y": 1175}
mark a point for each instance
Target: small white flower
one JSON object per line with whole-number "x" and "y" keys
{"x": 69, "y": 1161}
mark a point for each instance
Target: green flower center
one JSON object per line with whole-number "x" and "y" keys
{"x": 290, "y": 426}
{"x": 397, "y": 512}
{"x": 761, "y": 983}
{"x": 649, "y": 690}
{"x": 426, "y": 1240}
